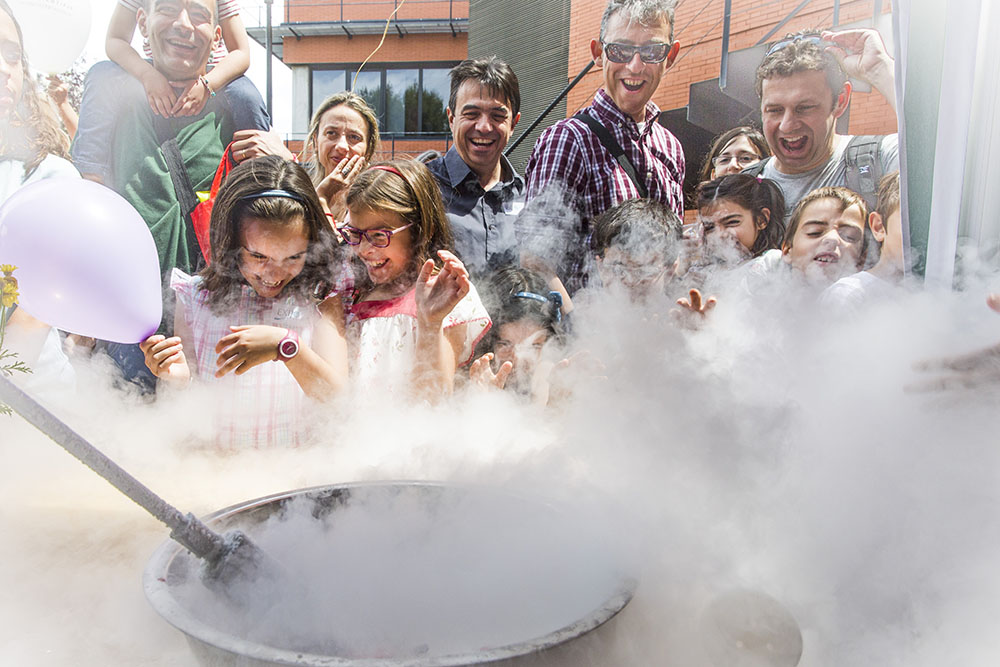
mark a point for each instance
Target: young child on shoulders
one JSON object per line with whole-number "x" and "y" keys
{"x": 411, "y": 322}
{"x": 230, "y": 57}
{"x": 527, "y": 325}
{"x": 886, "y": 226}
{"x": 254, "y": 321}
{"x": 128, "y": 79}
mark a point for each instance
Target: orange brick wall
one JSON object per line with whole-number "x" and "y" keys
{"x": 699, "y": 59}
{"x": 411, "y": 48}
{"x": 303, "y": 11}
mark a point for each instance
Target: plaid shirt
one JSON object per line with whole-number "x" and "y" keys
{"x": 572, "y": 156}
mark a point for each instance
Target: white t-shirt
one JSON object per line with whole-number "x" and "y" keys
{"x": 851, "y": 292}
{"x": 833, "y": 172}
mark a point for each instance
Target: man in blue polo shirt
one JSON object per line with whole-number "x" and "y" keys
{"x": 482, "y": 193}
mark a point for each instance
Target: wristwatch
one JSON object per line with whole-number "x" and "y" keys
{"x": 288, "y": 347}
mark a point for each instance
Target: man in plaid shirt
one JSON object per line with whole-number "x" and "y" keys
{"x": 570, "y": 165}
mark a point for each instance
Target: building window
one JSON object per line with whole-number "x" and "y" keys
{"x": 407, "y": 100}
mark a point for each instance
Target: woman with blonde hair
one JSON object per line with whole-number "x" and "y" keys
{"x": 343, "y": 137}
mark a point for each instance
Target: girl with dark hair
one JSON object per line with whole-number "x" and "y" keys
{"x": 527, "y": 319}
{"x": 410, "y": 320}
{"x": 260, "y": 301}
{"x": 741, "y": 217}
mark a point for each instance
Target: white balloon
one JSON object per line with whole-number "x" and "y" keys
{"x": 55, "y": 32}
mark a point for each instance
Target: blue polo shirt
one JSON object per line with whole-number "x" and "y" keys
{"x": 482, "y": 221}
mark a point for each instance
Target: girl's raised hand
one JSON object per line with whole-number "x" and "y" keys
{"x": 165, "y": 358}
{"x": 246, "y": 347}
{"x": 481, "y": 372}
{"x": 437, "y": 294}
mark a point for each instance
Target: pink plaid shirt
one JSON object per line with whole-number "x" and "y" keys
{"x": 570, "y": 157}
{"x": 264, "y": 407}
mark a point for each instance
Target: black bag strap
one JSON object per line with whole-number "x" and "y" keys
{"x": 179, "y": 176}
{"x": 166, "y": 134}
{"x": 864, "y": 169}
{"x": 617, "y": 152}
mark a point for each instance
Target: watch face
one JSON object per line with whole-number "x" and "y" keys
{"x": 288, "y": 348}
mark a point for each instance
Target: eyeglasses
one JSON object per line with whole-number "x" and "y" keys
{"x": 742, "y": 159}
{"x": 379, "y": 238}
{"x": 648, "y": 53}
{"x": 812, "y": 38}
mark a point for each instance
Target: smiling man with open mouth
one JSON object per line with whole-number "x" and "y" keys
{"x": 803, "y": 91}
{"x": 635, "y": 48}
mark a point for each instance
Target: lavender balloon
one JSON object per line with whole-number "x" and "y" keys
{"x": 86, "y": 262}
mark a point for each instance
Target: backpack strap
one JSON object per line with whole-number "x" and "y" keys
{"x": 186, "y": 196}
{"x": 756, "y": 169}
{"x": 864, "y": 168}
{"x": 613, "y": 147}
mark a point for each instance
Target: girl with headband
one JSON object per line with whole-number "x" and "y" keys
{"x": 254, "y": 321}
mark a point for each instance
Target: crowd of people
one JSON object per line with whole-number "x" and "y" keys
{"x": 327, "y": 274}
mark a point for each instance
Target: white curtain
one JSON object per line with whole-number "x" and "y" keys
{"x": 964, "y": 206}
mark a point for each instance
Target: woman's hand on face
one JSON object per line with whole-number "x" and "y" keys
{"x": 165, "y": 358}
{"x": 437, "y": 294}
{"x": 246, "y": 347}
{"x": 481, "y": 372}
{"x": 341, "y": 177}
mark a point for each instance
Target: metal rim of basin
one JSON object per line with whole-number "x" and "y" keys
{"x": 166, "y": 605}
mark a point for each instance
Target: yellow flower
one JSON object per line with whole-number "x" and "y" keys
{"x": 8, "y": 286}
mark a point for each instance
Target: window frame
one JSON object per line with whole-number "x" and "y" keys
{"x": 348, "y": 70}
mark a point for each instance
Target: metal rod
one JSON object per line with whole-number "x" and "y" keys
{"x": 727, "y": 17}
{"x": 512, "y": 146}
{"x": 836, "y": 13}
{"x": 185, "y": 528}
{"x": 270, "y": 48}
{"x": 782, "y": 23}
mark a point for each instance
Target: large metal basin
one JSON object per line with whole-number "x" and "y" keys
{"x": 401, "y": 574}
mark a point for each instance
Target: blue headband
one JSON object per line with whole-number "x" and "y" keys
{"x": 555, "y": 298}
{"x": 274, "y": 193}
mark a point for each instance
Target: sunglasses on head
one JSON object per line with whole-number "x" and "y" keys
{"x": 812, "y": 38}
{"x": 648, "y": 53}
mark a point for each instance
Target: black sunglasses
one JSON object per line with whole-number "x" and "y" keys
{"x": 648, "y": 53}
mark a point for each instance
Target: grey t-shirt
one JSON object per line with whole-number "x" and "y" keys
{"x": 833, "y": 172}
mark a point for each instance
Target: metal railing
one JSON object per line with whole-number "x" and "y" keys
{"x": 354, "y": 10}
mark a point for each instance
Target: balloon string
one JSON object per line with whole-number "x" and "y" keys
{"x": 381, "y": 42}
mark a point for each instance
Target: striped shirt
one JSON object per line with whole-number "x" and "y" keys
{"x": 569, "y": 156}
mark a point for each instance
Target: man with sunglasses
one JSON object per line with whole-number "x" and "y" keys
{"x": 803, "y": 90}
{"x": 572, "y": 161}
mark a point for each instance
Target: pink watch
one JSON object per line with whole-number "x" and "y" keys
{"x": 288, "y": 347}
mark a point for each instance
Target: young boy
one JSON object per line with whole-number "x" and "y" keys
{"x": 887, "y": 229}
{"x": 635, "y": 245}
